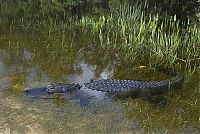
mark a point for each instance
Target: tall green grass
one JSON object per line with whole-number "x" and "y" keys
{"x": 135, "y": 34}
{"x": 126, "y": 30}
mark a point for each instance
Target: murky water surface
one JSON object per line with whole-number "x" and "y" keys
{"x": 30, "y": 60}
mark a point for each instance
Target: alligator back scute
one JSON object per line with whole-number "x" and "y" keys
{"x": 110, "y": 85}
{"x": 132, "y": 86}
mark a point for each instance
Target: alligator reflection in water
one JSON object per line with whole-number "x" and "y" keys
{"x": 83, "y": 96}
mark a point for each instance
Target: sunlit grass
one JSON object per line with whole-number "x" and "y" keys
{"x": 136, "y": 35}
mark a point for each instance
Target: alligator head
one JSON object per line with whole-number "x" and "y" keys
{"x": 62, "y": 87}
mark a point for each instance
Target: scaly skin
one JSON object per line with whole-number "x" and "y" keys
{"x": 120, "y": 86}
{"x": 62, "y": 87}
{"x": 134, "y": 86}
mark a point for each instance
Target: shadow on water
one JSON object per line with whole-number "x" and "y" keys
{"x": 34, "y": 62}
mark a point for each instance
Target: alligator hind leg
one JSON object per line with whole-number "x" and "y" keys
{"x": 146, "y": 95}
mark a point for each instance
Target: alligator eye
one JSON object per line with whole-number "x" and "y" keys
{"x": 91, "y": 80}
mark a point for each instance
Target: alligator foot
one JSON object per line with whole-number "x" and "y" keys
{"x": 156, "y": 100}
{"x": 147, "y": 95}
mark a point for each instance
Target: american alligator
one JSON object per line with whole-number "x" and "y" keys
{"x": 147, "y": 90}
{"x": 125, "y": 88}
{"x": 137, "y": 87}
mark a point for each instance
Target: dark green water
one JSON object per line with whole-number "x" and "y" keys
{"x": 33, "y": 60}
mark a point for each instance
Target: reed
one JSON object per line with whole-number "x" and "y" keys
{"x": 135, "y": 35}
